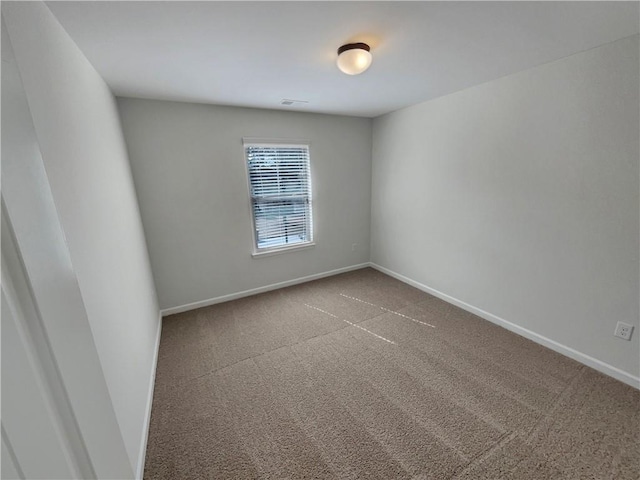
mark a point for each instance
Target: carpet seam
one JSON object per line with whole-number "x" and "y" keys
{"x": 450, "y": 445}
{"x": 503, "y": 390}
{"x": 290, "y": 345}
{"x": 293, "y": 414}
{"x": 213, "y": 372}
{"x": 446, "y": 315}
{"x": 493, "y": 423}
{"x": 344, "y": 407}
{"x": 535, "y": 430}
{"x": 481, "y": 457}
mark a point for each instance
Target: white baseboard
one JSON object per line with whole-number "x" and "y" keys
{"x": 594, "y": 363}
{"x": 152, "y": 381}
{"x": 255, "y": 291}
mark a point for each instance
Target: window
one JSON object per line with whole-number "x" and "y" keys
{"x": 280, "y": 189}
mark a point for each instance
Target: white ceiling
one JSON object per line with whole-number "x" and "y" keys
{"x": 257, "y": 53}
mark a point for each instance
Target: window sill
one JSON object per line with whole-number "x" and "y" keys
{"x": 278, "y": 251}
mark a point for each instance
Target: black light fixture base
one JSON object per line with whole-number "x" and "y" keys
{"x": 351, "y": 46}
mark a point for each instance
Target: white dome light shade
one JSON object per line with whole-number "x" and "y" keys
{"x": 354, "y": 58}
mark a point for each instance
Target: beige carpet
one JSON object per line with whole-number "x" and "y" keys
{"x": 362, "y": 376}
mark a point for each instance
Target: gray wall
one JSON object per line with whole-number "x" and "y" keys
{"x": 520, "y": 197}
{"x": 78, "y": 131}
{"x": 57, "y": 416}
{"x": 189, "y": 170}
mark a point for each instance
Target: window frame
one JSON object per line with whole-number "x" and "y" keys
{"x": 278, "y": 249}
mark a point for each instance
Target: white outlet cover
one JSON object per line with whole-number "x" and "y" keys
{"x": 623, "y": 330}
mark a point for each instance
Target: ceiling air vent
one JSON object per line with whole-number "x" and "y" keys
{"x": 288, "y": 102}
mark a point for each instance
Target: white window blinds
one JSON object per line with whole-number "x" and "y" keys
{"x": 280, "y": 188}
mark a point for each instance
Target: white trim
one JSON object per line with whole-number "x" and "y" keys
{"x": 594, "y": 363}
{"x": 255, "y": 291}
{"x": 277, "y": 250}
{"x": 274, "y": 142}
{"x": 142, "y": 455}
{"x": 28, "y": 331}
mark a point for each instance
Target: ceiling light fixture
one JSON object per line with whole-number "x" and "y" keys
{"x": 354, "y": 58}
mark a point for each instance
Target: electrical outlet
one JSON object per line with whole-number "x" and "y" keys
{"x": 623, "y": 330}
{"x": 354, "y": 247}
